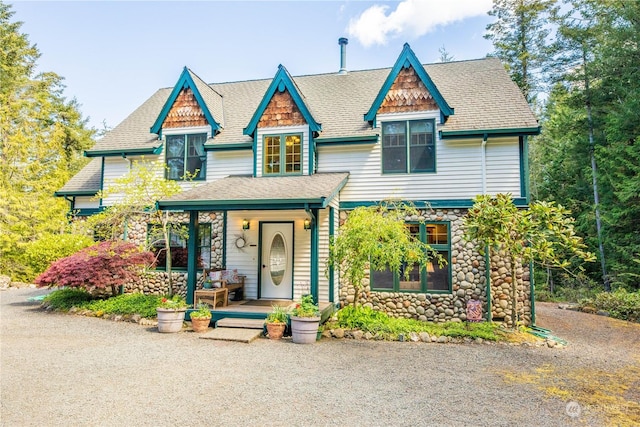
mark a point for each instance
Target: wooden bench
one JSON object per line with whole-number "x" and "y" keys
{"x": 237, "y": 288}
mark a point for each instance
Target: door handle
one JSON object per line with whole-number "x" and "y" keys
{"x": 264, "y": 266}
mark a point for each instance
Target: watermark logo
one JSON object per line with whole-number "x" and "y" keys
{"x": 573, "y": 409}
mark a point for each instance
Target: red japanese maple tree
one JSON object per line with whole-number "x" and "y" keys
{"x": 107, "y": 264}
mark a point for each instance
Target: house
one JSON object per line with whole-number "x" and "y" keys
{"x": 280, "y": 162}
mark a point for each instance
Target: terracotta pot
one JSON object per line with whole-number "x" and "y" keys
{"x": 200, "y": 324}
{"x": 275, "y": 330}
{"x": 304, "y": 330}
{"x": 170, "y": 320}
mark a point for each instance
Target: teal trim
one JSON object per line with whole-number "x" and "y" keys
{"x": 224, "y": 239}
{"x": 524, "y": 167}
{"x": 251, "y": 204}
{"x": 487, "y": 275}
{"x": 255, "y": 155}
{"x": 532, "y": 295}
{"x": 283, "y": 154}
{"x": 312, "y": 152}
{"x": 315, "y": 239}
{"x": 101, "y": 180}
{"x": 229, "y": 147}
{"x": 281, "y": 81}
{"x": 423, "y": 204}
{"x": 348, "y": 140}
{"x": 406, "y": 59}
{"x": 479, "y": 133}
{"x": 184, "y": 81}
{"x": 259, "y": 266}
{"x": 332, "y": 231}
{"x": 124, "y": 152}
{"x": 192, "y": 250}
{"x": 75, "y": 193}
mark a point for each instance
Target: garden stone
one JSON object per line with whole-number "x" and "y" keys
{"x": 358, "y": 334}
{"x": 338, "y": 333}
{"x": 424, "y": 337}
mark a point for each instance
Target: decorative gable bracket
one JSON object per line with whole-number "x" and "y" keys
{"x": 408, "y": 59}
{"x": 184, "y": 82}
{"x": 282, "y": 81}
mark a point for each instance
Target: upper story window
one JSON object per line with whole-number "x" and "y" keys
{"x": 409, "y": 146}
{"x": 433, "y": 278}
{"x": 186, "y": 156}
{"x": 282, "y": 154}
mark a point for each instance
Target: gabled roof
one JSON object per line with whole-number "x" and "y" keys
{"x": 246, "y": 192}
{"x": 483, "y": 96}
{"x": 200, "y": 89}
{"x": 282, "y": 81}
{"x": 87, "y": 182}
{"x": 408, "y": 59}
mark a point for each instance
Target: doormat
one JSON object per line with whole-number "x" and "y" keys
{"x": 268, "y": 302}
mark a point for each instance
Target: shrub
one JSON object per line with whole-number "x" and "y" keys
{"x": 128, "y": 304}
{"x": 620, "y": 304}
{"x": 64, "y": 299}
{"x": 377, "y": 322}
{"x": 107, "y": 264}
{"x": 51, "y": 247}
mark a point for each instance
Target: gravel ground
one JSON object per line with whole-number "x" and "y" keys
{"x": 61, "y": 369}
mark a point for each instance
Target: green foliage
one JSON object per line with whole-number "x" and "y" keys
{"x": 376, "y": 322}
{"x": 65, "y": 299}
{"x": 306, "y": 308}
{"x": 127, "y": 304}
{"x": 543, "y": 233}
{"x": 620, "y": 304}
{"x": 42, "y": 138}
{"x": 278, "y": 315}
{"x": 51, "y": 247}
{"x": 376, "y": 237}
{"x": 174, "y": 302}
{"x": 202, "y": 312}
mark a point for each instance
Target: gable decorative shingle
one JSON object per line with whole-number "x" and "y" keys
{"x": 407, "y": 94}
{"x": 185, "y": 112}
{"x": 281, "y": 111}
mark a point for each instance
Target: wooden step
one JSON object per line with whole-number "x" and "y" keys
{"x": 236, "y": 322}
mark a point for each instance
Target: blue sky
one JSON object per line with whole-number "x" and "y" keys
{"x": 114, "y": 55}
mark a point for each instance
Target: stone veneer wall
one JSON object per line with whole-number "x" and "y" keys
{"x": 468, "y": 274}
{"x": 157, "y": 282}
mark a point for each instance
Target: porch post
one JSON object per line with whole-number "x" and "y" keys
{"x": 192, "y": 250}
{"x": 314, "y": 254}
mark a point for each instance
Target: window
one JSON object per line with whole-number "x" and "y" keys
{"x": 433, "y": 278}
{"x": 408, "y": 146}
{"x": 178, "y": 236}
{"x": 185, "y": 154}
{"x": 282, "y": 154}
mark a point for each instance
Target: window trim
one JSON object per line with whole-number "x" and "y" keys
{"x": 423, "y": 273}
{"x": 283, "y": 147}
{"x": 199, "y": 248}
{"x": 202, "y": 175}
{"x": 407, "y": 137}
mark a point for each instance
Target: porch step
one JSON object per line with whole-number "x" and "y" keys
{"x": 232, "y": 334}
{"x": 236, "y": 322}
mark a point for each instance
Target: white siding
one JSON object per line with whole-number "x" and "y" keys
{"x": 224, "y": 163}
{"x": 114, "y": 168}
{"x": 85, "y": 202}
{"x": 304, "y": 130}
{"x": 458, "y": 171}
{"x": 246, "y": 259}
{"x": 503, "y": 166}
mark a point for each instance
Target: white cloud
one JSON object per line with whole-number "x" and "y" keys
{"x": 411, "y": 19}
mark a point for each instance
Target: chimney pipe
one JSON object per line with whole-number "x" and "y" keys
{"x": 342, "y": 41}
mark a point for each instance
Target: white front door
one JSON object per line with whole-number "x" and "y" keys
{"x": 276, "y": 277}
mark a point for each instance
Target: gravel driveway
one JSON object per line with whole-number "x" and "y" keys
{"x": 61, "y": 369}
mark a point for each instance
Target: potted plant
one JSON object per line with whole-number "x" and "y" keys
{"x": 171, "y": 311}
{"x": 200, "y": 318}
{"x": 305, "y": 319}
{"x": 276, "y": 322}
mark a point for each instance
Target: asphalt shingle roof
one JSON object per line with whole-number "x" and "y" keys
{"x": 283, "y": 189}
{"x": 85, "y": 182}
{"x": 480, "y": 91}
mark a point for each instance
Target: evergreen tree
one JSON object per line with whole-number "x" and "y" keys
{"x": 42, "y": 137}
{"x": 520, "y": 37}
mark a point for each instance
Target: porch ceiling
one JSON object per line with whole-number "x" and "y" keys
{"x": 245, "y": 192}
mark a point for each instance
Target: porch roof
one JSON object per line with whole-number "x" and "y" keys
{"x": 246, "y": 192}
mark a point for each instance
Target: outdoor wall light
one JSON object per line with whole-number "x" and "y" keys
{"x": 307, "y": 223}
{"x": 245, "y": 224}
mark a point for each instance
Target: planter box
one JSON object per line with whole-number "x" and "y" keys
{"x": 170, "y": 320}
{"x": 304, "y": 330}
